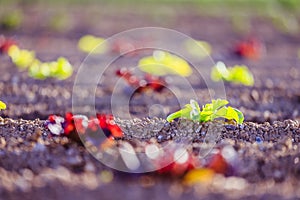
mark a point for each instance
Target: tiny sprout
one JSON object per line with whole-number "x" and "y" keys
{"x": 239, "y": 74}
{"x": 163, "y": 63}
{"x": 2, "y": 105}
{"x": 209, "y": 112}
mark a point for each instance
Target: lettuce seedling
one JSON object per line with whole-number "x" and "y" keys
{"x": 2, "y": 105}
{"x": 239, "y": 74}
{"x": 211, "y": 111}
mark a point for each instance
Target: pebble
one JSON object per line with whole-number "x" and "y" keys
{"x": 39, "y": 147}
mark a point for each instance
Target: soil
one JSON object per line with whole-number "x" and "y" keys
{"x": 35, "y": 164}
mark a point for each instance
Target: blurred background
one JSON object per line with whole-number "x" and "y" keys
{"x": 53, "y": 28}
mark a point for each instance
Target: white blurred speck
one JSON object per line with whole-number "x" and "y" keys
{"x": 129, "y": 156}
{"x": 181, "y": 155}
{"x": 55, "y": 129}
{"x": 152, "y": 151}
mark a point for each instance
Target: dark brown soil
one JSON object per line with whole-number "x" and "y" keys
{"x": 36, "y": 165}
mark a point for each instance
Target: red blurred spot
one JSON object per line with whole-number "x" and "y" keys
{"x": 5, "y": 44}
{"x": 102, "y": 121}
{"x": 68, "y": 129}
{"x": 124, "y": 46}
{"x": 155, "y": 83}
{"x": 218, "y": 164}
{"x": 69, "y": 117}
{"x": 93, "y": 124}
{"x": 175, "y": 168}
{"x": 116, "y": 132}
{"x": 149, "y": 82}
{"x": 79, "y": 125}
{"x": 108, "y": 142}
{"x": 51, "y": 118}
{"x": 251, "y": 49}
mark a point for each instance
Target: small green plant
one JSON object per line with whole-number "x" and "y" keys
{"x": 209, "y": 112}
{"x": 2, "y": 105}
{"x": 238, "y": 74}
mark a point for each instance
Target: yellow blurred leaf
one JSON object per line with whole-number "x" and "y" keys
{"x": 163, "y": 63}
{"x": 2, "y": 105}
{"x": 92, "y": 44}
{"x": 198, "y": 48}
{"x": 196, "y": 176}
{"x": 20, "y": 57}
{"x": 239, "y": 74}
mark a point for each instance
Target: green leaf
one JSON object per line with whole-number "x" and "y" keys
{"x": 174, "y": 115}
{"x": 220, "y": 113}
{"x": 183, "y": 113}
{"x": 241, "y": 116}
{"x": 241, "y": 74}
{"x": 34, "y": 70}
{"x": 2, "y": 105}
{"x": 63, "y": 69}
{"x": 231, "y": 114}
{"x": 20, "y": 57}
{"x": 217, "y": 104}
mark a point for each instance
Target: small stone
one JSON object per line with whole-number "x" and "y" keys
{"x": 160, "y": 138}
{"x": 36, "y": 135}
{"x": 258, "y": 139}
{"x": 242, "y": 126}
{"x": 230, "y": 127}
{"x": 39, "y": 147}
{"x": 89, "y": 167}
{"x": 74, "y": 160}
{"x": 255, "y": 95}
{"x": 55, "y": 129}
{"x": 2, "y": 142}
